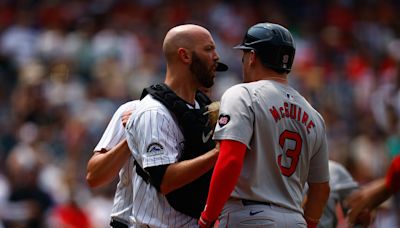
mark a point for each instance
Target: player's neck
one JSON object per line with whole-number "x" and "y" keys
{"x": 182, "y": 89}
{"x": 274, "y": 76}
{"x": 278, "y": 79}
{"x": 263, "y": 73}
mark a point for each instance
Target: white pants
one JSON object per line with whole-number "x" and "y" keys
{"x": 235, "y": 214}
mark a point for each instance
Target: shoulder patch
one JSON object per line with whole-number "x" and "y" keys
{"x": 223, "y": 120}
{"x": 155, "y": 149}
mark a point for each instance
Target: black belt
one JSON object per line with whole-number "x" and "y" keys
{"x": 252, "y": 202}
{"x": 117, "y": 224}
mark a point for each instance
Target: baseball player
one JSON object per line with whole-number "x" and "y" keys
{"x": 191, "y": 63}
{"x": 271, "y": 143}
{"x": 342, "y": 185}
{"x": 375, "y": 193}
{"x": 112, "y": 156}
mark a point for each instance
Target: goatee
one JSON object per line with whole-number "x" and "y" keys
{"x": 203, "y": 73}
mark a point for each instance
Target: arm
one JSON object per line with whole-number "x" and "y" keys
{"x": 159, "y": 149}
{"x": 181, "y": 173}
{"x": 318, "y": 195}
{"x": 343, "y": 185}
{"x": 223, "y": 181}
{"x": 111, "y": 153}
{"x": 104, "y": 166}
{"x": 375, "y": 193}
{"x": 366, "y": 199}
{"x": 318, "y": 181}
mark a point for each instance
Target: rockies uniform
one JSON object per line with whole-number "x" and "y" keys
{"x": 115, "y": 133}
{"x": 160, "y": 143}
{"x": 274, "y": 121}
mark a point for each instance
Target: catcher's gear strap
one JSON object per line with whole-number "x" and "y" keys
{"x": 189, "y": 199}
{"x": 156, "y": 174}
{"x": 160, "y": 91}
{"x": 152, "y": 175}
{"x": 225, "y": 176}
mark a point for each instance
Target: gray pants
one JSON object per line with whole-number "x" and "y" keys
{"x": 235, "y": 214}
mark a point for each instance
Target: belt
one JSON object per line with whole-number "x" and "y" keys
{"x": 252, "y": 202}
{"x": 117, "y": 224}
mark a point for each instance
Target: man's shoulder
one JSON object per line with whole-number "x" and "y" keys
{"x": 335, "y": 167}
{"x": 252, "y": 86}
{"x": 251, "y": 89}
{"x": 340, "y": 178}
{"x": 237, "y": 90}
{"x": 149, "y": 104}
{"x": 129, "y": 105}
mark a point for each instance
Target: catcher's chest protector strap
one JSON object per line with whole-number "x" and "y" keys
{"x": 175, "y": 104}
{"x": 191, "y": 198}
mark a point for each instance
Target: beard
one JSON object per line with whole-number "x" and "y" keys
{"x": 203, "y": 73}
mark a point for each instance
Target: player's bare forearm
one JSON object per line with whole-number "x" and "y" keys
{"x": 379, "y": 195}
{"x": 366, "y": 199}
{"x": 318, "y": 194}
{"x": 103, "y": 167}
{"x": 181, "y": 173}
{"x": 374, "y": 193}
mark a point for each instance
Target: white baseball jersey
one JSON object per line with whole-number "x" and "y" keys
{"x": 155, "y": 139}
{"x": 285, "y": 138}
{"x": 114, "y": 134}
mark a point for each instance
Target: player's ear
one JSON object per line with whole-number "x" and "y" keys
{"x": 184, "y": 55}
{"x": 252, "y": 57}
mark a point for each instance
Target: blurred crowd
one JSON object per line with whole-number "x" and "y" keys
{"x": 66, "y": 66}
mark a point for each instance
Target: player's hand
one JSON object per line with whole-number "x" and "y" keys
{"x": 311, "y": 223}
{"x": 125, "y": 117}
{"x": 356, "y": 203}
{"x": 359, "y": 211}
{"x": 364, "y": 218}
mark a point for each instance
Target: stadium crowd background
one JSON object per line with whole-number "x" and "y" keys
{"x": 65, "y": 67}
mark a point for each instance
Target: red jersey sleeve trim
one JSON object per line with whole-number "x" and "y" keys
{"x": 393, "y": 175}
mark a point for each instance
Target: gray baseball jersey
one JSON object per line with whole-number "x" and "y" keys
{"x": 341, "y": 184}
{"x": 285, "y": 138}
{"x": 155, "y": 139}
{"x": 114, "y": 134}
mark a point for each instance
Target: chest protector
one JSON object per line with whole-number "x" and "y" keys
{"x": 191, "y": 198}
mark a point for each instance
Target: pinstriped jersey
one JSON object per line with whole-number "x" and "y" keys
{"x": 154, "y": 138}
{"x": 113, "y": 135}
{"x": 285, "y": 138}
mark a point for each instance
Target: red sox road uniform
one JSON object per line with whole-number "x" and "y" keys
{"x": 114, "y": 134}
{"x": 154, "y": 139}
{"x": 286, "y": 147}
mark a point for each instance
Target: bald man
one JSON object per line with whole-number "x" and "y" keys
{"x": 155, "y": 134}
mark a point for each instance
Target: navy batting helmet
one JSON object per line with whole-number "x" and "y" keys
{"x": 272, "y": 43}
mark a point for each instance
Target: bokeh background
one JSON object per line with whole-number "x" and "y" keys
{"x": 66, "y": 66}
